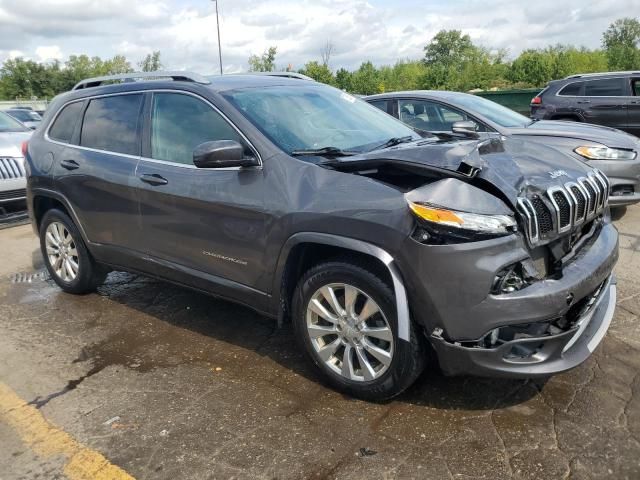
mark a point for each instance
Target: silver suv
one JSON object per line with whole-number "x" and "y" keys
{"x": 12, "y": 172}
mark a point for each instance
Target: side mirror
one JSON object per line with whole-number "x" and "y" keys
{"x": 467, "y": 128}
{"x": 221, "y": 154}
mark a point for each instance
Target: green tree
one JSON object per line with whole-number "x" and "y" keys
{"x": 319, "y": 72}
{"x": 448, "y": 48}
{"x": 365, "y": 80}
{"x": 621, "y": 41}
{"x": 151, "y": 63}
{"x": 264, "y": 62}
{"x": 532, "y": 67}
{"x": 343, "y": 79}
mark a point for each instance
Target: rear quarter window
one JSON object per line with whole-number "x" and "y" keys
{"x": 111, "y": 124}
{"x": 573, "y": 89}
{"x": 65, "y": 123}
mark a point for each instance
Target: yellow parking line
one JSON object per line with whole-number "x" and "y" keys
{"x": 47, "y": 440}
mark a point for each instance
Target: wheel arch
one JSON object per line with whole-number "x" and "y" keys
{"x": 45, "y": 200}
{"x": 308, "y": 248}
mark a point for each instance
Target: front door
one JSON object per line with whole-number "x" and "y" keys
{"x": 633, "y": 108}
{"x": 205, "y": 223}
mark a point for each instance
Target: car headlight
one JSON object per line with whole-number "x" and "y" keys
{"x": 441, "y": 225}
{"x": 605, "y": 153}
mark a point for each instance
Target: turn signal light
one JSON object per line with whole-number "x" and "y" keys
{"x": 25, "y": 146}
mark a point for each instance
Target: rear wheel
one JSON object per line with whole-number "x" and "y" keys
{"x": 345, "y": 318}
{"x": 66, "y": 256}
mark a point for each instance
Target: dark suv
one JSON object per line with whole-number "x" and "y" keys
{"x": 307, "y": 204}
{"x": 611, "y": 99}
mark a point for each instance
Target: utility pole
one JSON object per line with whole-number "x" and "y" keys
{"x": 219, "y": 44}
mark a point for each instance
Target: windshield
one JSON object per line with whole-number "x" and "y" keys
{"x": 495, "y": 112}
{"x": 26, "y": 115}
{"x": 8, "y": 124}
{"x": 314, "y": 116}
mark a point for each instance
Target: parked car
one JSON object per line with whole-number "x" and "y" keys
{"x": 26, "y": 116}
{"x": 611, "y": 99}
{"x": 12, "y": 173}
{"x": 305, "y": 203}
{"x": 612, "y": 151}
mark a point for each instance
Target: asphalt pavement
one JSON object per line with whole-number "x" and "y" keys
{"x": 147, "y": 380}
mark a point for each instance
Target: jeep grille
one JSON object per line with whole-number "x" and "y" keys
{"x": 562, "y": 208}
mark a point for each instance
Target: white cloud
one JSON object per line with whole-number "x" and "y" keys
{"x": 383, "y": 32}
{"x": 47, "y": 53}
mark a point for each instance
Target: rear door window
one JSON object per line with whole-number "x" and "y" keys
{"x": 610, "y": 87}
{"x": 65, "y": 123}
{"x": 573, "y": 89}
{"x": 179, "y": 123}
{"x": 111, "y": 124}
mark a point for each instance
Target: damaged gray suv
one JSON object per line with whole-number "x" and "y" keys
{"x": 309, "y": 205}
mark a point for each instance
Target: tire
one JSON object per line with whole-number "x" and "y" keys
{"x": 384, "y": 381}
{"x": 57, "y": 225}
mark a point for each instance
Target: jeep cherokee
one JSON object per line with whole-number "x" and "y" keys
{"x": 307, "y": 204}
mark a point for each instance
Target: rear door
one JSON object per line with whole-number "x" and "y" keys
{"x": 604, "y": 102}
{"x": 205, "y": 223}
{"x": 95, "y": 169}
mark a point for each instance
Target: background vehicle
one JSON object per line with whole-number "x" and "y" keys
{"x": 26, "y": 116}
{"x": 614, "y": 152}
{"x": 12, "y": 172}
{"x": 303, "y": 202}
{"x": 611, "y": 99}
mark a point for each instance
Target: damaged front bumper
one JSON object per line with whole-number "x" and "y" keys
{"x": 534, "y": 356}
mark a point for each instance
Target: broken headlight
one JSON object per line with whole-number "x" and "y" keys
{"x": 439, "y": 225}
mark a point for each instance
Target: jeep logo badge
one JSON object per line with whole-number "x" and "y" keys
{"x": 558, "y": 173}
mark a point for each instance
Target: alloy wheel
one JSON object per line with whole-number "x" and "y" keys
{"x": 61, "y": 252}
{"x": 349, "y": 332}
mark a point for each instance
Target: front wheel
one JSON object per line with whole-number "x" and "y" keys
{"x": 345, "y": 318}
{"x": 66, "y": 256}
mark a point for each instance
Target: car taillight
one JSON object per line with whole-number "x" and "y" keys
{"x": 536, "y": 101}
{"x": 25, "y": 146}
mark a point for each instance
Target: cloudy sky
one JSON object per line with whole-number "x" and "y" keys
{"x": 376, "y": 30}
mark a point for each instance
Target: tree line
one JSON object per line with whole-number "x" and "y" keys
{"x": 451, "y": 61}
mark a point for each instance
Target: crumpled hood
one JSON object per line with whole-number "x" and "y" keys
{"x": 585, "y": 132}
{"x": 513, "y": 166}
{"x": 11, "y": 143}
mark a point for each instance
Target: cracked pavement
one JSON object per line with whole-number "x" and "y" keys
{"x": 167, "y": 383}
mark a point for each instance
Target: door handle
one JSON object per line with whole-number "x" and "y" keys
{"x": 583, "y": 101}
{"x": 69, "y": 164}
{"x": 153, "y": 179}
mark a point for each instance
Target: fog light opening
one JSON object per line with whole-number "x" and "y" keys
{"x": 509, "y": 280}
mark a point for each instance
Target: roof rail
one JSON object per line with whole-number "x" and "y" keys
{"x": 176, "y": 76}
{"x": 600, "y": 74}
{"x": 297, "y": 75}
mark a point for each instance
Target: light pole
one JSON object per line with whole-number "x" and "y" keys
{"x": 219, "y": 44}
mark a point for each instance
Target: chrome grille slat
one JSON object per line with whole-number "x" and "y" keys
{"x": 564, "y": 206}
{"x": 11, "y": 168}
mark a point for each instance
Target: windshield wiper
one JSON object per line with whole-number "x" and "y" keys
{"x": 324, "y": 151}
{"x": 392, "y": 142}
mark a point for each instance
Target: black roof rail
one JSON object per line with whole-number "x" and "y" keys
{"x": 176, "y": 76}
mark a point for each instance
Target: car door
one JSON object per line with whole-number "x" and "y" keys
{"x": 604, "y": 102}
{"x": 208, "y": 224}
{"x": 94, "y": 169}
{"x": 432, "y": 116}
{"x": 633, "y": 108}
